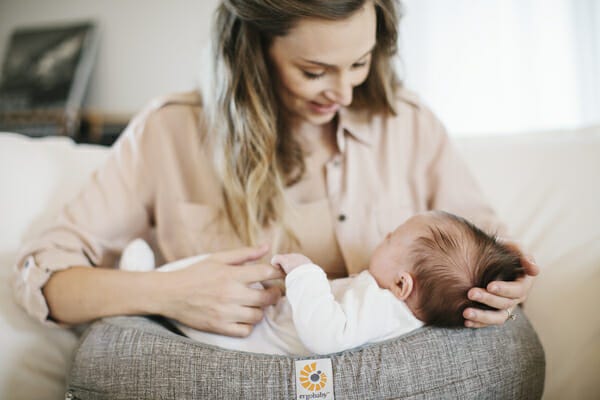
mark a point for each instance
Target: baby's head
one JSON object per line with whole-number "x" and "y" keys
{"x": 433, "y": 259}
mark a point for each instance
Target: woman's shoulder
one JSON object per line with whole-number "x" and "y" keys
{"x": 410, "y": 117}
{"x": 407, "y": 98}
{"x": 406, "y": 106}
{"x": 413, "y": 114}
{"x": 168, "y": 118}
{"x": 182, "y": 99}
{"x": 172, "y": 106}
{"x": 412, "y": 131}
{"x": 167, "y": 125}
{"x": 409, "y": 102}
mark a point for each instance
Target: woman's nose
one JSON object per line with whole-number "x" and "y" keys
{"x": 341, "y": 91}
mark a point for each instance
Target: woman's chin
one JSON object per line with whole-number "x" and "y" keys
{"x": 320, "y": 118}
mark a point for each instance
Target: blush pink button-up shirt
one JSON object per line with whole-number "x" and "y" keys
{"x": 159, "y": 175}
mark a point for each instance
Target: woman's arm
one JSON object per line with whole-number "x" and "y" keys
{"x": 119, "y": 203}
{"x": 114, "y": 206}
{"x": 212, "y": 295}
{"x": 82, "y": 294}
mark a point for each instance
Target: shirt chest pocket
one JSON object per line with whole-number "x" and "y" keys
{"x": 205, "y": 227}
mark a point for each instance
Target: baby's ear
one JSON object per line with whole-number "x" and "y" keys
{"x": 403, "y": 285}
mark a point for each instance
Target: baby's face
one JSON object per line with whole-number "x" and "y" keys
{"x": 392, "y": 254}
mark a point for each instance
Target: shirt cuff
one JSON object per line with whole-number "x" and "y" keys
{"x": 30, "y": 276}
{"x": 302, "y": 270}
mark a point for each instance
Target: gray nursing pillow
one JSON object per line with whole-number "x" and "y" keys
{"x": 138, "y": 358}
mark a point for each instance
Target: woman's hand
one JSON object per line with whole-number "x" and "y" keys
{"x": 504, "y": 296}
{"x": 215, "y": 294}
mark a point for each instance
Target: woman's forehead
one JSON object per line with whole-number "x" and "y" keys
{"x": 332, "y": 42}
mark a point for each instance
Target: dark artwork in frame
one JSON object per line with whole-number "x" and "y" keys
{"x": 45, "y": 74}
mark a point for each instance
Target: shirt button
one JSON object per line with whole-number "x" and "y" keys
{"x": 336, "y": 163}
{"x": 341, "y": 217}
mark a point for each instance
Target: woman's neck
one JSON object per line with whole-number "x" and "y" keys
{"x": 314, "y": 138}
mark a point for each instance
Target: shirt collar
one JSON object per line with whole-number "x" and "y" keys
{"x": 356, "y": 124}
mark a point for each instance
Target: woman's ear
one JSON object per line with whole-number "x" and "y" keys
{"x": 403, "y": 285}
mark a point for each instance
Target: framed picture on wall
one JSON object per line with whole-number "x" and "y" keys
{"x": 45, "y": 75}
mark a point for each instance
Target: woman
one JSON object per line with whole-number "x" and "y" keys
{"x": 306, "y": 141}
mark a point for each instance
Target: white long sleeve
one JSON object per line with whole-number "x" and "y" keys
{"x": 363, "y": 313}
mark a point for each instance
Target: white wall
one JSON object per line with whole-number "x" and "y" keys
{"x": 148, "y": 47}
{"x": 505, "y": 65}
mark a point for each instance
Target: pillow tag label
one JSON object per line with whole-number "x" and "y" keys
{"x": 314, "y": 379}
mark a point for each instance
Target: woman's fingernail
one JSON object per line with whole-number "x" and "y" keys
{"x": 476, "y": 296}
{"x": 493, "y": 288}
{"x": 470, "y": 314}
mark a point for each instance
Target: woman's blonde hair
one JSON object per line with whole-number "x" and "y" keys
{"x": 255, "y": 156}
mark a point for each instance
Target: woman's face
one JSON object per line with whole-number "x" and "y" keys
{"x": 319, "y": 62}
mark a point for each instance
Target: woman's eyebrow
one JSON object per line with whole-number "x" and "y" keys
{"x": 322, "y": 64}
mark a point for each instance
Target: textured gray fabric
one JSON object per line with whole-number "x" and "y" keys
{"x": 135, "y": 358}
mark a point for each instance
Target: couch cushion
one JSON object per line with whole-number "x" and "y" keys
{"x": 34, "y": 358}
{"x": 38, "y": 176}
{"x": 546, "y": 187}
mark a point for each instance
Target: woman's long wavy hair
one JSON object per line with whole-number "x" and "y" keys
{"x": 255, "y": 156}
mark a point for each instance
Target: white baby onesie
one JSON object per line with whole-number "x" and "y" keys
{"x": 316, "y": 316}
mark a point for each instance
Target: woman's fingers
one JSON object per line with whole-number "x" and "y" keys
{"x": 492, "y": 300}
{"x": 241, "y": 321}
{"x": 241, "y": 255}
{"x": 235, "y": 329}
{"x": 501, "y": 295}
{"x": 471, "y": 324}
{"x": 262, "y": 297}
{"x": 256, "y": 273}
{"x": 527, "y": 261}
{"x": 513, "y": 290}
{"x": 476, "y": 318}
{"x": 248, "y": 315}
{"x": 529, "y": 265}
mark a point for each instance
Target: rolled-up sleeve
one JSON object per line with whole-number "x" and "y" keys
{"x": 113, "y": 207}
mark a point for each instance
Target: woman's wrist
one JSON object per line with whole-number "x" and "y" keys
{"x": 156, "y": 293}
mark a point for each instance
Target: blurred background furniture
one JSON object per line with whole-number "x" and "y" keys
{"x": 45, "y": 75}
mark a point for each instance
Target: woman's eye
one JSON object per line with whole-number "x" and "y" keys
{"x": 312, "y": 75}
{"x": 360, "y": 64}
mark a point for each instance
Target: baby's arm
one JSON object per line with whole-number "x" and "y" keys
{"x": 325, "y": 325}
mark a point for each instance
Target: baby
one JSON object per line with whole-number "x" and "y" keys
{"x": 420, "y": 273}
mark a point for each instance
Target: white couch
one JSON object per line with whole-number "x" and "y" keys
{"x": 546, "y": 186}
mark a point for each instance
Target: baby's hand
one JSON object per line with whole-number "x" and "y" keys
{"x": 289, "y": 262}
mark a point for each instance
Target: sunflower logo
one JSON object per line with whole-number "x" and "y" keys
{"x": 312, "y": 379}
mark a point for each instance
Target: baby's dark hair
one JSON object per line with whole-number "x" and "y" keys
{"x": 454, "y": 257}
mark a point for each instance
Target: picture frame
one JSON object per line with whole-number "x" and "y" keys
{"x": 45, "y": 75}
